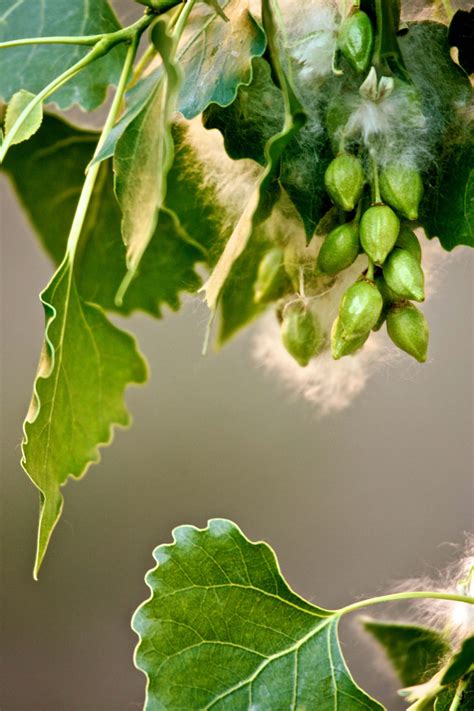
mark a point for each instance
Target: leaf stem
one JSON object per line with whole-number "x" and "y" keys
{"x": 376, "y": 182}
{"x": 91, "y": 176}
{"x": 461, "y": 688}
{"x": 101, "y": 48}
{"x": 80, "y": 40}
{"x": 395, "y": 597}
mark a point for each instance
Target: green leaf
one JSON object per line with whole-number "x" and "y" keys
{"x": 216, "y": 56}
{"x": 144, "y": 157}
{"x": 237, "y": 304}
{"x": 461, "y": 663}
{"x": 18, "y": 103}
{"x": 222, "y": 630}
{"x": 447, "y": 209}
{"x": 266, "y": 190}
{"x": 208, "y": 58}
{"x": 252, "y": 119}
{"x": 446, "y": 697}
{"x": 85, "y": 366}
{"x": 48, "y": 173}
{"x": 32, "y": 67}
{"x": 416, "y": 653}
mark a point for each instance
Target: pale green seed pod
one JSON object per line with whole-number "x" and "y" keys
{"x": 344, "y": 181}
{"x": 404, "y": 275}
{"x": 408, "y": 240}
{"x": 356, "y": 40}
{"x": 271, "y": 277}
{"x": 360, "y": 309}
{"x": 408, "y": 329}
{"x": 379, "y": 230}
{"x": 402, "y": 187}
{"x": 301, "y": 332}
{"x": 160, "y": 5}
{"x": 340, "y": 249}
{"x": 341, "y": 344}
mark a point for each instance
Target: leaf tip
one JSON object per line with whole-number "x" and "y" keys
{"x": 50, "y": 511}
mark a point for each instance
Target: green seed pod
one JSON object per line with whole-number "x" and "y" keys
{"x": 404, "y": 275}
{"x": 271, "y": 277}
{"x": 408, "y": 329}
{"x": 379, "y": 229}
{"x": 344, "y": 180}
{"x": 342, "y": 345}
{"x": 340, "y": 249}
{"x": 160, "y": 5}
{"x": 402, "y": 188}
{"x": 408, "y": 240}
{"x": 360, "y": 309}
{"x": 356, "y": 40}
{"x": 301, "y": 332}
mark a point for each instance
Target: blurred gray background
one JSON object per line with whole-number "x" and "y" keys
{"x": 353, "y": 503}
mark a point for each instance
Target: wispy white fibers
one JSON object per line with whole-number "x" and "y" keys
{"x": 454, "y": 619}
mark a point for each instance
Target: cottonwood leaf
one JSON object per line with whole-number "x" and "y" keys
{"x": 446, "y": 698}
{"x": 265, "y": 193}
{"x": 461, "y": 663}
{"x": 18, "y": 103}
{"x": 85, "y": 366}
{"x": 215, "y": 58}
{"x": 416, "y": 653}
{"x": 48, "y": 174}
{"x": 32, "y": 67}
{"x": 144, "y": 157}
{"x": 447, "y": 209}
{"x": 223, "y": 630}
{"x": 251, "y": 120}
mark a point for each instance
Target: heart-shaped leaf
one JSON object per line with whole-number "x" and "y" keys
{"x": 222, "y": 630}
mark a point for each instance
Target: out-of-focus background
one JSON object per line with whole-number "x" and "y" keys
{"x": 353, "y": 503}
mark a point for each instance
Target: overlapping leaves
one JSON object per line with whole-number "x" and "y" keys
{"x": 425, "y": 663}
{"x": 48, "y": 173}
{"x": 222, "y": 630}
{"x": 264, "y": 195}
{"x": 32, "y": 67}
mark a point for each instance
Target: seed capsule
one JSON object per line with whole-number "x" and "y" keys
{"x": 344, "y": 180}
{"x": 356, "y": 40}
{"x": 159, "y": 5}
{"x": 341, "y": 344}
{"x": 404, "y": 275}
{"x": 402, "y": 187}
{"x": 339, "y": 249}
{"x": 408, "y": 240}
{"x": 379, "y": 229}
{"x": 301, "y": 332}
{"x": 360, "y": 309}
{"x": 408, "y": 329}
{"x": 271, "y": 277}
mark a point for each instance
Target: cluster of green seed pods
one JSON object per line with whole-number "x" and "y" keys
{"x": 383, "y": 294}
{"x": 394, "y": 277}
